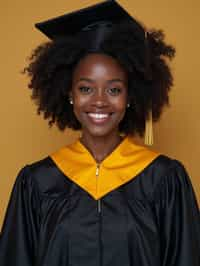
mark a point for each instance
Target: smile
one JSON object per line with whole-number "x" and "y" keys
{"x": 99, "y": 117}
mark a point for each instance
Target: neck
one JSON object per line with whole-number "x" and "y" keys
{"x": 100, "y": 147}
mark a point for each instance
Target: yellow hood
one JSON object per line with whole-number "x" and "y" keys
{"x": 122, "y": 165}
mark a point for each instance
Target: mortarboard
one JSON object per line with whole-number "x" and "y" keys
{"x": 102, "y": 15}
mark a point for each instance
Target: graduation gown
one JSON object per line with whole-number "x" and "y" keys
{"x": 137, "y": 208}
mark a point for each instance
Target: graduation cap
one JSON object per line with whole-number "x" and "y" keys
{"x": 94, "y": 22}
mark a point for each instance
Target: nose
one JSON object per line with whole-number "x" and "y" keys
{"x": 100, "y": 98}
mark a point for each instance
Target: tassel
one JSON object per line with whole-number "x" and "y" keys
{"x": 149, "y": 130}
{"x": 148, "y": 140}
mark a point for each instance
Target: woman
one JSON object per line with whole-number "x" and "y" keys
{"x": 103, "y": 200}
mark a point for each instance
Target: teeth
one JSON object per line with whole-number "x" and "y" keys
{"x": 98, "y": 116}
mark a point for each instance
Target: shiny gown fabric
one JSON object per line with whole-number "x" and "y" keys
{"x": 152, "y": 220}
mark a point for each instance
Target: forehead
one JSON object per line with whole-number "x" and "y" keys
{"x": 99, "y": 64}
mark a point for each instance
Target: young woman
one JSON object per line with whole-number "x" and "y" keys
{"x": 102, "y": 200}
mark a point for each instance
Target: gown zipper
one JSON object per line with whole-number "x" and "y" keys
{"x": 100, "y": 222}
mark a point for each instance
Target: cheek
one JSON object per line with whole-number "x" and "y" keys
{"x": 79, "y": 106}
{"x": 79, "y": 101}
{"x": 120, "y": 103}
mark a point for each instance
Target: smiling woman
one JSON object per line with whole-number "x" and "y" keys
{"x": 102, "y": 200}
{"x": 99, "y": 94}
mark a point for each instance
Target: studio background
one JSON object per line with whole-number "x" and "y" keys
{"x": 25, "y": 137}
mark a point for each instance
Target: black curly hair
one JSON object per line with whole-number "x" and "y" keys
{"x": 150, "y": 79}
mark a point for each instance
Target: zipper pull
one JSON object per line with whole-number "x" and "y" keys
{"x": 97, "y": 170}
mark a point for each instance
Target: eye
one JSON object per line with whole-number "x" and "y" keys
{"x": 85, "y": 89}
{"x": 114, "y": 91}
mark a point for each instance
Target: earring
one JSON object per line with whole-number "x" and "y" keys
{"x": 70, "y": 101}
{"x": 128, "y": 105}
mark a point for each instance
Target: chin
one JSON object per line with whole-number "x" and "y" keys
{"x": 100, "y": 132}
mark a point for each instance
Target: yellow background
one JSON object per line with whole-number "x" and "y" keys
{"x": 25, "y": 137}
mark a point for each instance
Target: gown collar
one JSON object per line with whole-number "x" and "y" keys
{"x": 125, "y": 162}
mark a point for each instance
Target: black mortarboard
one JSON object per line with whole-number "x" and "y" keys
{"x": 95, "y": 21}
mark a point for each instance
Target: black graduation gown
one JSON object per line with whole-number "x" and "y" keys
{"x": 151, "y": 220}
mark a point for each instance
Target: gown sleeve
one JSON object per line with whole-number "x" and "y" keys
{"x": 178, "y": 217}
{"x": 18, "y": 237}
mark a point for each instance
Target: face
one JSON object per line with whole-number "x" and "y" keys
{"x": 99, "y": 94}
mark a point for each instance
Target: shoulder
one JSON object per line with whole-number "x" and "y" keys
{"x": 45, "y": 175}
{"x": 168, "y": 175}
{"x": 41, "y": 166}
{"x": 166, "y": 167}
{"x": 164, "y": 164}
{"x": 161, "y": 170}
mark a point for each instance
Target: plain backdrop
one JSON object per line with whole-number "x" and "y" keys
{"x": 26, "y": 137}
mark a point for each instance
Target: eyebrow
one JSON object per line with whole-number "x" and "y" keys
{"x": 109, "y": 81}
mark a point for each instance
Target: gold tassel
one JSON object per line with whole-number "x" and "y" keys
{"x": 148, "y": 140}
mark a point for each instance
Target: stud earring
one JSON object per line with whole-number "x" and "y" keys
{"x": 128, "y": 105}
{"x": 70, "y": 101}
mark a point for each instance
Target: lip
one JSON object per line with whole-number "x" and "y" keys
{"x": 99, "y": 117}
